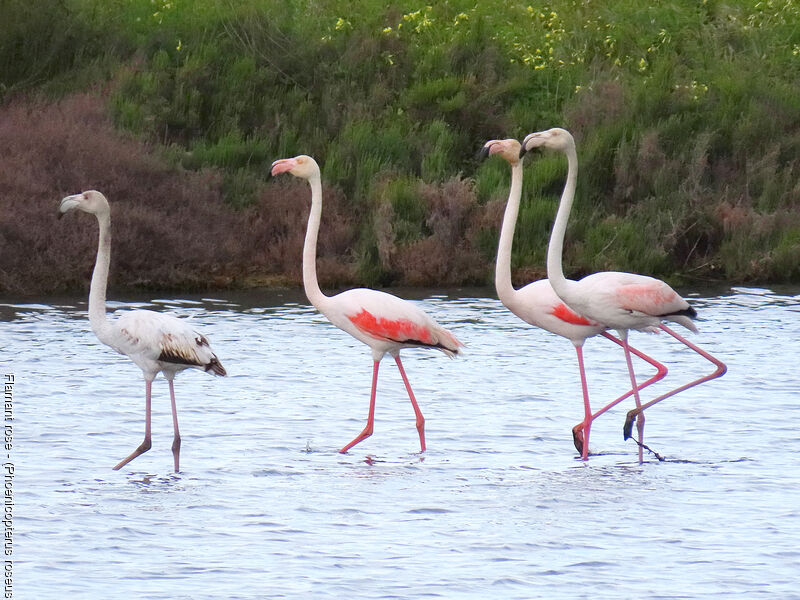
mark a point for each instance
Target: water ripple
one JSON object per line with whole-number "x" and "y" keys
{"x": 497, "y": 507}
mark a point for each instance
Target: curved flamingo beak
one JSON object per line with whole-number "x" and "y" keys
{"x": 282, "y": 165}
{"x": 490, "y": 147}
{"x": 67, "y": 204}
{"x": 533, "y": 141}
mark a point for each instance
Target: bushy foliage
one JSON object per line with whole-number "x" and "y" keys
{"x": 686, "y": 114}
{"x": 171, "y": 227}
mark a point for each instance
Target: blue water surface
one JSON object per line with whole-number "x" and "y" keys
{"x": 497, "y": 507}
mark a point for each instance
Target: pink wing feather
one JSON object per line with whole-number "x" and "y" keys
{"x": 395, "y": 330}
{"x": 651, "y": 298}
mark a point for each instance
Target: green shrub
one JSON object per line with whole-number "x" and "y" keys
{"x": 681, "y": 110}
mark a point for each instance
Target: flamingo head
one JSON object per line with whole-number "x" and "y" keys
{"x": 90, "y": 201}
{"x": 509, "y": 149}
{"x": 301, "y": 166}
{"x": 552, "y": 139}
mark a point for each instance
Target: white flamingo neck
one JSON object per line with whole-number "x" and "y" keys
{"x": 97, "y": 289}
{"x": 313, "y": 292}
{"x": 555, "y": 271}
{"x": 502, "y": 271}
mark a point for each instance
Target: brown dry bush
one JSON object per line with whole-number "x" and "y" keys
{"x": 171, "y": 227}
{"x": 277, "y": 227}
{"x": 448, "y": 256}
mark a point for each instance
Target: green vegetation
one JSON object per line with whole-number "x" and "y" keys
{"x": 686, "y": 114}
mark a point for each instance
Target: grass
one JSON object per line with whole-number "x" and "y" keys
{"x": 684, "y": 113}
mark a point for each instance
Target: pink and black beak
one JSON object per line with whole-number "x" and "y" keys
{"x": 490, "y": 147}
{"x": 533, "y": 141}
{"x": 67, "y": 204}
{"x": 283, "y": 165}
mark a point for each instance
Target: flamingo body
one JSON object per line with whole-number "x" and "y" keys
{"x": 629, "y": 301}
{"x": 387, "y": 323}
{"x": 538, "y": 305}
{"x": 157, "y": 342}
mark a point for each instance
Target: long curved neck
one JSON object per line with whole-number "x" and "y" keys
{"x": 502, "y": 271}
{"x": 555, "y": 271}
{"x": 97, "y": 289}
{"x": 314, "y": 294}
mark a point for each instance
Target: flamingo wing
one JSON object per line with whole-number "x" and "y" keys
{"x": 388, "y": 318}
{"x": 166, "y": 339}
{"x": 399, "y": 330}
{"x": 564, "y": 313}
{"x": 653, "y": 298}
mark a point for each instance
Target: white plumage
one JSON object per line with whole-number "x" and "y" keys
{"x": 157, "y": 342}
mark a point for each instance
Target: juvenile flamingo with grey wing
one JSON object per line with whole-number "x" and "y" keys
{"x": 537, "y": 303}
{"x": 384, "y": 322}
{"x": 621, "y": 301}
{"x": 155, "y": 342}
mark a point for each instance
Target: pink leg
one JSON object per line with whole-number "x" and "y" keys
{"x": 417, "y": 411}
{"x": 718, "y": 372}
{"x": 371, "y": 418}
{"x": 587, "y": 410}
{"x": 660, "y": 374}
{"x": 145, "y": 445}
{"x": 176, "y": 440}
{"x": 623, "y": 335}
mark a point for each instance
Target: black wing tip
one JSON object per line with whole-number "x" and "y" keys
{"x": 453, "y": 352}
{"x": 176, "y": 359}
{"x": 213, "y": 366}
{"x": 686, "y": 312}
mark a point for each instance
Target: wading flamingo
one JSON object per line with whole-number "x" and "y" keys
{"x": 384, "y": 322}
{"x": 155, "y": 342}
{"x": 538, "y": 304}
{"x": 621, "y": 301}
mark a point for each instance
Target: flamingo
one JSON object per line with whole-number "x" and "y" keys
{"x": 384, "y": 322}
{"x": 621, "y": 301}
{"x": 155, "y": 342}
{"x": 538, "y": 304}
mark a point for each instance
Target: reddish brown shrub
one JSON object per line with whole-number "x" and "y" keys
{"x": 447, "y": 256}
{"x": 277, "y": 226}
{"x": 171, "y": 227}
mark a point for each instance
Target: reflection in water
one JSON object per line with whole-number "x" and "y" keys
{"x": 497, "y": 507}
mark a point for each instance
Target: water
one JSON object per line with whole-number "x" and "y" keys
{"x": 498, "y": 507}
